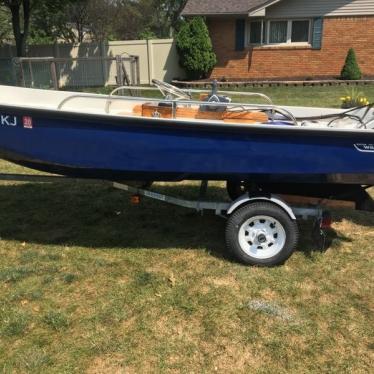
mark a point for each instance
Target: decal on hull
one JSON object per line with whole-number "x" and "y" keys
{"x": 7, "y": 120}
{"x": 362, "y": 147}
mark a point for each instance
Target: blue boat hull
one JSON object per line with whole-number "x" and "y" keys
{"x": 120, "y": 148}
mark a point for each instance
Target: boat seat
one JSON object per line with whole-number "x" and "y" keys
{"x": 152, "y": 110}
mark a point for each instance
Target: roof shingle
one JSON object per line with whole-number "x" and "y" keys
{"x": 199, "y": 7}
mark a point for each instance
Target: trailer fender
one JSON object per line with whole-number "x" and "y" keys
{"x": 245, "y": 199}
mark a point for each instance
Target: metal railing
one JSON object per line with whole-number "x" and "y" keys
{"x": 174, "y": 103}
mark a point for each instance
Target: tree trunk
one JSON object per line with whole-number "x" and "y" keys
{"x": 20, "y": 35}
{"x": 26, "y": 24}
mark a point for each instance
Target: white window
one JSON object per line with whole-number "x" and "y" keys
{"x": 278, "y": 32}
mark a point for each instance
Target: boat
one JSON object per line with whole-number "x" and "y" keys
{"x": 254, "y": 147}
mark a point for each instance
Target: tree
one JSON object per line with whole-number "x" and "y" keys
{"x": 45, "y": 21}
{"x": 5, "y": 26}
{"x": 70, "y": 22}
{"x": 21, "y": 11}
{"x": 20, "y": 14}
{"x": 195, "y": 48}
{"x": 147, "y": 33}
{"x": 50, "y": 24}
{"x": 169, "y": 15}
{"x": 78, "y": 12}
{"x": 101, "y": 14}
{"x": 135, "y": 19}
{"x": 351, "y": 70}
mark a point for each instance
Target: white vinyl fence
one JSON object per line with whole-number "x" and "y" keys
{"x": 158, "y": 59}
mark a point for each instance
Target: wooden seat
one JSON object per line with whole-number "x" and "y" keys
{"x": 151, "y": 110}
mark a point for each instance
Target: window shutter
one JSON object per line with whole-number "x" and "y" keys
{"x": 240, "y": 35}
{"x": 317, "y": 33}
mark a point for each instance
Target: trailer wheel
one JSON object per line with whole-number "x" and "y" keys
{"x": 261, "y": 234}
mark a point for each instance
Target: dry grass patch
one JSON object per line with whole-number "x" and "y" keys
{"x": 108, "y": 364}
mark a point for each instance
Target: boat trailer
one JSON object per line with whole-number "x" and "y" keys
{"x": 261, "y": 229}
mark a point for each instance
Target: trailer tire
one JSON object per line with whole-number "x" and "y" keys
{"x": 261, "y": 234}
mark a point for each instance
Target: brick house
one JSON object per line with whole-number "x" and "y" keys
{"x": 287, "y": 39}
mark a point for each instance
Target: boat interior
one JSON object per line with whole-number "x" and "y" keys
{"x": 207, "y": 106}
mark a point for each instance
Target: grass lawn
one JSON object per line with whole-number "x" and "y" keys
{"x": 90, "y": 283}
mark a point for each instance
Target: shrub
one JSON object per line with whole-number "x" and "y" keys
{"x": 351, "y": 70}
{"x": 195, "y": 48}
{"x": 147, "y": 33}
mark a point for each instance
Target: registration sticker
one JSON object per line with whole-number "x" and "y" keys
{"x": 27, "y": 122}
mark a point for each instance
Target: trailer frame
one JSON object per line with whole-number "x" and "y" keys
{"x": 220, "y": 208}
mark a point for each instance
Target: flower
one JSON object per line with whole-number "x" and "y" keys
{"x": 355, "y": 99}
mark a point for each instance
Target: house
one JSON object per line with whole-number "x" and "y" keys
{"x": 287, "y": 39}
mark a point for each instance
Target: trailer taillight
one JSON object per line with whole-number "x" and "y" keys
{"x": 135, "y": 199}
{"x": 326, "y": 221}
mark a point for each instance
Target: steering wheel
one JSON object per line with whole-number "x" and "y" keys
{"x": 166, "y": 88}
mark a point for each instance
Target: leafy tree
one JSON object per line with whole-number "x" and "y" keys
{"x": 73, "y": 21}
{"x": 146, "y": 17}
{"x": 101, "y": 14}
{"x": 21, "y": 12}
{"x": 5, "y": 25}
{"x": 195, "y": 48}
{"x": 133, "y": 17}
{"x": 49, "y": 26}
{"x": 351, "y": 70}
{"x": 147, "y": 33}
{"x": 78, "y": 17}
{"x": 52, "y": 22}
{"x": 168, "y": 12}
{"x": 45, "y": 21}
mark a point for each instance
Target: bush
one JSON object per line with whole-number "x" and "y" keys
{"x": 351, "y": 70}
{"x": 147, "y": 34}
{"x": 195, "y": 48}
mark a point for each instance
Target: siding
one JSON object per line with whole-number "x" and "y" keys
{"x": 315, "y": 8}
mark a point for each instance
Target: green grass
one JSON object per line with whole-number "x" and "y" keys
{"x": 326, "y": 96}
{"x": 90, "y": 283}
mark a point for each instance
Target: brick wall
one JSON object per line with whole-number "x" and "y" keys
{"x": 339, "y": 34}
